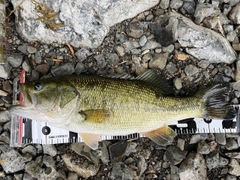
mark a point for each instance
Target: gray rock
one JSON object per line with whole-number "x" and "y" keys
{"x": 15, "y": 60}
{"x": 181, "y": 144}
{"x": 117, "y": 150}
{"x": 178, "y": 83}
{"x": 120, "y": 50}
{"x": 72, "y": 176}
{"x": 231, "y": 36}
{"x": 82, "y": 54}
{"x": 121, "y": 171}
{"x": 195, "y": 138}
{"x": 85, "y": 169}
{"x": 159, "y": 60}
{"x": 169, "y": 48}
{"x": 31, "y": 49}
{"x": 164, "y": 4}
{"x": 12, "y": 161}
{"x": 26, "y": 66}
{"x": 231, "y": 177}
{"x": 142, "y": 40}
{"x": 4, "y": 117}
{"x": 193, "y": 167}
{"x": 80, "y": 67}
{"x": 142, "y": 165}
{"x": 64, "y": 69}
{"x": 30, "y": 149}
{"x": 129, "y": 45}
{"x": 120, "y": 38}
{"x": 171, "y": 68}
{"x": 215, "y": 3}
{"x": 203, "y": 64}
{"x": 38, "y": 57}
{"x": 212, "y": 161}
{"x": 33, "y": 169}
{"x": 23, "y": 48}
{"x": 228, "y": 71}
{"x": 5, "y": 137}
{"x": 202, "y": 11}
{"x": 4, "y": 71}
{"x": 191, "y": 70}
{"x": 220, "y": 138}
{"x": 102, "y": 152}
{"x": 235, "y": 14}
{"x": 176, "y": 4}
{"x": 203, "y": 147}
{"x": 235, "y": 168}
{"x": 135, "y": 29}
{"x": 49, "y": 149}
{"x": 86, "y": 24}
{"x": 189, "y": 6}
{"x": 131, "y": 148}
{"x": 175, "y": 155}
{"x": 231, "y": 144}
{"x": 151, "y": 45}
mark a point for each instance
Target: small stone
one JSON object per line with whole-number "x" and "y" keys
{"x": 6, "y": 86}
{"x": 212, "y": 161}
{"x": 26, "y": 66}
{"x": 142, "y": 40}
{"x": 131, "y": 148}
{"x": 178, "y": 83}
{"x": 30, "y": 149}
{"x": 5, "y": 137}
{"x": 117, "y": 149}
{"x": 193, "y": 167}
{"x": 231, "y": 36}
{"x": 49, "y": 149}
{"x": 12, "y": 161}
{"x": 42, "y": 68}
{"x": 142, "y": 165}
{"x": 85, "y": 169}
{"x": 64, "y": 69}
{"x": 129, "y": 45}
{"x": 38, "y": 57}
{"x": 175, "y": 155}
{"x": 211, "y": 22}
{"x": 80, "y": 67}
{"x": 135, "y": 29}
{"x": 151, "y": 45}
{"x": 15, "y": 60}
{"x": 82, "y": 54}
{"x": 195, "y": 139}
{"x": 120, "y": 38}
{"x": 236, "y": 46}
{"x": 31, "y": 49}
{"x": 203, "y": 147}
{"x": 164, "y": 4}
{"x": 203, "y": 64}
{"x": 23, "y": 48}
{"x": 202, "y": 11}
{"x": 169, "y": 48}
{"x": 159, "y": 60}
{"x": 34, "y": 75}
{"x": 189, "y": 6}
{"x": 231, "y": 177}
{"x": 181, "y": 144}
{"x": 119, "y": 50}
{"x": 176, "y": 4}
{"x": 235, "y": 168}
{"x": 234, "y": 15}
{"x": 72, "y": 176}
{"x": 171, "y": 68}
{"x": 191, "y": 70}
{"x": 149, "y": 17}
{"x": 231, "y": 144}
{"x": 3, "y": 93}
{"x": 181, "y": 56}
{"x": 33, "y": 169}
{"x": 4, "y": 71}
{"x": 121, "y": 171}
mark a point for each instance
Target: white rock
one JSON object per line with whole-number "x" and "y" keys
{"x": 86, "y": 22}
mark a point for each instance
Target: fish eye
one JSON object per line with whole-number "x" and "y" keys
{"x": 38, "y": 86}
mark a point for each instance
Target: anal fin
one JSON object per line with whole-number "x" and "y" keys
{"x": 91, "y": 140}
{"x": 162, "y": 136}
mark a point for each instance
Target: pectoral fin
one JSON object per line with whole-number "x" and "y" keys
{"x": 91, "y": 140}
{"x": 96, "y": 115}
{"x": 161, "y": 136}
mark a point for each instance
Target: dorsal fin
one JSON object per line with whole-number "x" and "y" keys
{"x": 159, "y": 83}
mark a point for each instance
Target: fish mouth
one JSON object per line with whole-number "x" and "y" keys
{"x": 29, "y": 99}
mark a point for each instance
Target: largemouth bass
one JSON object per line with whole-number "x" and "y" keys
{"x": 94, "y": 106}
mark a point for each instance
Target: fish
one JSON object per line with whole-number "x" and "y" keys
{"x": 96, "y": 105}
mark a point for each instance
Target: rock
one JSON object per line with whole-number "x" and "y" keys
{"x": 33, "y": 169}
{"x": 198, "y": 41}
{"x": 26, "y": 66}
{"x": 102, "y": 153}
{"x": 135, "y": 29}
{"x": 191, "y": 70}
{"x": 203, "y": 64}
{"x": 23, "y": 48}
{"x": 129, "y": 45}
{"x": 12, "y": 161}
{"x": 80, "y": 67}
{"x": 15, "y": 60}
{"x": 82, "y": 54}
{"x": 181, "y": 144}
{"x": 236, "y": 46}
{"x": 120, "y": 38}
{"x": 31, "y": 49}
{"x": 30, "y": 149}
{"x": 231, "y": 177}
{"x": 195, "y": 138}
{"x": 85, "y": 23}
{"x": 142, "y": 40}
{"x": 5, "y": 116}
{"x": 3, "y": 93}
{"x": 189, "y": 6}
{"x": 178, "y": 83}
{"x": 234, "y": 15}
{"x": 175, "y": 155}
{"x": 142, "y": 165}
{"x": 235, "y": 155}
{"x": 64, "y": 69}
{"x": 180, "y": 55}
{"x": 4, "y": 71}
{"x": 203, "y": 147}
{"x": 171, "y": 68}
{"x": 85, "y": 169}
{"x": 49, "y": 149}
{"x": 120, "y": 50}
{"x": 164, "y": 4}
{"x": 151, "y": 45}
{"x": 176, "y": 4}
{"x": 42, "y": 68}
{"x": 212, "y": 161}
{"x": 193, "y": 167}
{"x": 159, "y": 60}
{"x": 202, "y": 11}
{"x": 131, "y": 148}
{"x": 231, "y": 36}
{"x": 72, "y": 176}
{"x": 121, "y": 171}
{"x": 83, "y": 150}
{"x": 117, "y": 150}
{"x": 169, "y": 48}
{"x": 38, "y": 57}
{"x": 231, "y": 144}
{"x": 235, "y": 168}
{"x": 5, "y": 137}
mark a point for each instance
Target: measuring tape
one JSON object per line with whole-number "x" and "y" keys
{"x": 24, "y": 130}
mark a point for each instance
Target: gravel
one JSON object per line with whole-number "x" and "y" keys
{"x": 182, "y": 52}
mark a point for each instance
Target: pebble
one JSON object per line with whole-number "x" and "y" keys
{"x": 159, "y": 60}
{"x": 175, "y": 155}
{"x": 117, "y": 149}
{"x": 169, "y": 48}
{"x": 4, "y": 117}
{"x": 4, "y": 71}
{"x": 80, "y": 67}
{"x": 120, "y": 50}
{"x": 189, "y": 6}
{"x": 171, "y": 68}
{"x": 23, "y": 48}
{"x": 203, "y": 147}
{"x": 235, "y": 167}
{"x": 164, "y": 4}
{"x": 15, "y": 60}
{"x": 212, "y": 161}
{"x": 151, "y": 45}
{"x": 176, "y": 4}
{"x": 231, "y": 144}
{"x": 43, "y": 68}
{"x": 178, "y": 83}
{"x": 121, "y": 171}
{"x": 193, "y": 167}
{"x": 72, "y": 176}
{"x": 49, "y": 149}
{"x": 142, "y": 40}
{"x": 231, "y": 36}
{"x": 234, "y": 15}
{"x": 64, "y": 69}
{"x": 202, "y": 11}
{"x": 31, "y": 49}
{"x": 26, "y": 66}
{"x": 203, "y": 64}
{"x": 191, "y": 70}
{"x": 30, "y": 149}
{"x": 38, "y": 57}
{"x": 12, "y": 161}
{"x": 82, "y": 54}
{"x": 135, "y": 29}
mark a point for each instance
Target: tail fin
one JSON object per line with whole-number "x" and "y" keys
{"x": 216, "y": 101}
